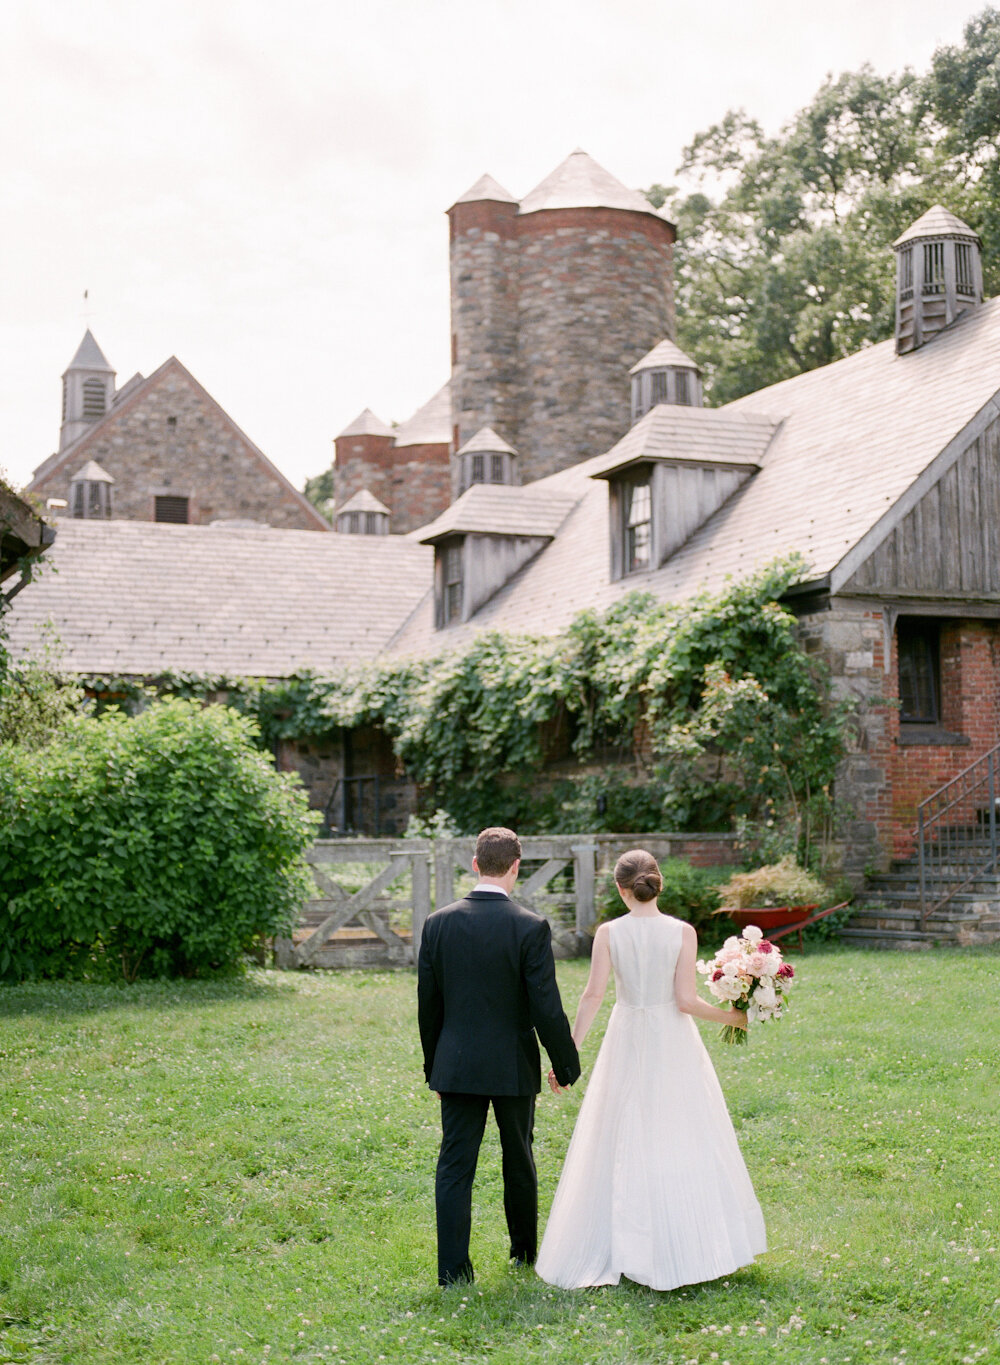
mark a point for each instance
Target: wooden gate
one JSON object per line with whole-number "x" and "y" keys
{"x": 338, "y": 924}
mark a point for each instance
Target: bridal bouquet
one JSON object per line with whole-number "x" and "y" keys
{"x": 750, "y": 973}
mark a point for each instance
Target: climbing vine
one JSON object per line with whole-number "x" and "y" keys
{"x": 670, "y": 715}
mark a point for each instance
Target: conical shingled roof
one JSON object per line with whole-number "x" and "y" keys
{"x": 936, "y": 222}
{"x": 429, "y": 425}
{"x": 486, "y": 188}
{"x": 487, "y": 441}
{"x": 366, "y": 424}
{"x": 89, "y": 356}
{"x": 363, "y": 501}
{"x": 579, "y": 182}
{"x": 92, "y": 472}
{"x": 664, "y": 353}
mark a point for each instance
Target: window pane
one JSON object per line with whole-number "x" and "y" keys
{"x": 658, "y": 381}
{"x": 918, "y": 693}
{"x": 934, "y": 267}
{"x": 477, "y": 469}
{"x": 681, "y": 386}
{"x": 637, "y": 526}
{"x": 906, "y": 273}
{"x": 963, "y": 269}
{"x": 496, "y": 469}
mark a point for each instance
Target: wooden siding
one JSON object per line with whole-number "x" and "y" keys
{"x": 684, "y": 497}
{"x": 948, "y": 545}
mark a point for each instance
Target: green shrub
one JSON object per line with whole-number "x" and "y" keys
{"x": 160, "y": 844}
{"x": 689, "y": 893}
{"x": 35, "y": 704}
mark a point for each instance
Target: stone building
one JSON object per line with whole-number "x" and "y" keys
{"x": 882, "y": 470}
{"x": 553, "y": 298}
{"x": 159, "y": 449}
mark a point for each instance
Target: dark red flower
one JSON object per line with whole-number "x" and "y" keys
{"x": 786, "y": 969}
{"x": 718, "y": 974}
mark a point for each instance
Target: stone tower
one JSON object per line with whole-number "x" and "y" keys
{"x": 553, "y": 299}
{"x": 88, "y": 390}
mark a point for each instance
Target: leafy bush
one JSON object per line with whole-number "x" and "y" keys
{"x": 781, "y": 883}
{"x": 160, "y": 844}
{"x": 689, "y": 893}
{"x": 35, "y": 704}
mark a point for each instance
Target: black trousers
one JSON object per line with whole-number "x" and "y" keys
{"x": 463, "y": 1122}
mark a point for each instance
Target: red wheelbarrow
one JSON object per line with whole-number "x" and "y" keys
{"x": 779, "y": 921}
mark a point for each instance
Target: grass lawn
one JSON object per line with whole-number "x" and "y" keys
{"x": 243, "y": 1171}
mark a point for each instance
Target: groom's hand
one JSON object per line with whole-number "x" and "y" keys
{"x": 554, "y": 1085}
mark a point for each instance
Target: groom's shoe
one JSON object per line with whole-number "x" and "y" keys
{"x": 522, "y": 1258}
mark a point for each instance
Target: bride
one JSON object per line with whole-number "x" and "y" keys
{"x": 654, "y": 1187}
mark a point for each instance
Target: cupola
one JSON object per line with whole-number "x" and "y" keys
{"x": 665, "y": 375}
{"x": 90, "y": 493}
{"x": 939, "y": 276}
{"x": 486, "y": 458}
{"x": 363, "y": 515}
{"x": 88, "y": 390}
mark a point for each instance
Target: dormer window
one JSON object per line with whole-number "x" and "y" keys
{"x": 638, "y": 509}
{"x": 451, "y": 594}
{"x": 665, "y": 375}
{"x": 363, "y": 514}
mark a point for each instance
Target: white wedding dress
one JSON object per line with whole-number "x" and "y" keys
{"x": 654, "y": 1187}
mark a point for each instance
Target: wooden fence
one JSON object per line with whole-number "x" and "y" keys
{"x": 373, "y": 895}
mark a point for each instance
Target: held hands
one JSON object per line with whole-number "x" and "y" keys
{"x": 554, "y": 1085}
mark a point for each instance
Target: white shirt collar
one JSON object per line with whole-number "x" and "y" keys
{"x": 491, "y": 888}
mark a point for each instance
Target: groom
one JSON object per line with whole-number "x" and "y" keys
{"x": 485, "y": 985}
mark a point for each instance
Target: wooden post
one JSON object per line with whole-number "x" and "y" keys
{"x": 421, "y": 867}
{"x": 585, "y": 883}
{"x": 444, "y": 872}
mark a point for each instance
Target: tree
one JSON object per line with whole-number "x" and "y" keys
{"x": 319, "y": 490}
{"x": 790, "y": 266}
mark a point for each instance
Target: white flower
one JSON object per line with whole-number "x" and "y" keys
{"x": 752, "y": 934}
{"x": 765, "y": 995}
{"x": 727, "y": 988}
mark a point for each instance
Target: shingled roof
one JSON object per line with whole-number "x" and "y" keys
{"x": 138, "y": 598}
{"x": 579, "y": 182}
{"x": 853, "y": 438}
{"x": 502, "y": 510}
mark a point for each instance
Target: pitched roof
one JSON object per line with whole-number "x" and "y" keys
{"x": 363, "y": 501}
{"x": 486, "y": 188}
{"x": 936, "y": 222}
{"x": 429, "y": 425}
{"x": 853, "y": 437}
{"x": 579, "y": 182}
{"x": 89, "y": 356}
{"x": 92, "y": 473}
{"x": 503, "y": 510}
{"x": 137, "y": 598}
{"x": 665, "y": 352}
{"x": 366, "y": 424}
{"x": 137, "y": 392}
{"x": 700, "y": 435}
{"x": 488, "y": 441}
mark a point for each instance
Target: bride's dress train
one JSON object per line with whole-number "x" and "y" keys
{"x": 654, "y": 1187}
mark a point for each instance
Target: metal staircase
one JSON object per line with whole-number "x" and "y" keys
{"x": 949, "y": 891}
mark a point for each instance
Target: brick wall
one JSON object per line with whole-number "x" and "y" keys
{"x": 413, "y": 481}
{"x": 171, "y": 438}
{"x": 880, "y": 781}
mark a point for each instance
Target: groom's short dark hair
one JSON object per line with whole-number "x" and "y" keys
{"x": 497, "y": 850}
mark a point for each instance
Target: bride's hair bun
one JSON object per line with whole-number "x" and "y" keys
{"x": 637, "y": 871}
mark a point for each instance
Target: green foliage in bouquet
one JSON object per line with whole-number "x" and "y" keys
{"x": 782, "y": 883}
{"x": 159, "y": 845}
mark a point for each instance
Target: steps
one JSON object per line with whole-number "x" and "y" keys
{"x": 887, "y": 912}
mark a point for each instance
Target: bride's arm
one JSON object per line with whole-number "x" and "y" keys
{"x": 597, "y": 984}
{"x": 686, "y": 986}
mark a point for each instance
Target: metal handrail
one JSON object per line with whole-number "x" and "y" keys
{"x": 939, "y": 843}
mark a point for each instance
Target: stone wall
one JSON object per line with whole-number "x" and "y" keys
{"x": 170, "y": 438}
{"x": 549, "y": 312}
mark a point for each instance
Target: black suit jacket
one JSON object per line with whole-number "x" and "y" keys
{"x": 486, "y": 984}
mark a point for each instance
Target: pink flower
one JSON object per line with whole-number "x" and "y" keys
{"x": 756, "y": 963}
{"x": 786, "y": 969}
{"x": 765, "y": 946}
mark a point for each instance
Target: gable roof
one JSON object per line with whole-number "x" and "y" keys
{"x": 501, "y": 510}
{"x": 138, "y": 598}
{"x": 79, "y": 450}
{"x": 853, "y": 438}
{"x": 697, "y": 435}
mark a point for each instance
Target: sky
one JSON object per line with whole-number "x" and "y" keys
{"x": 260, "y": 188}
